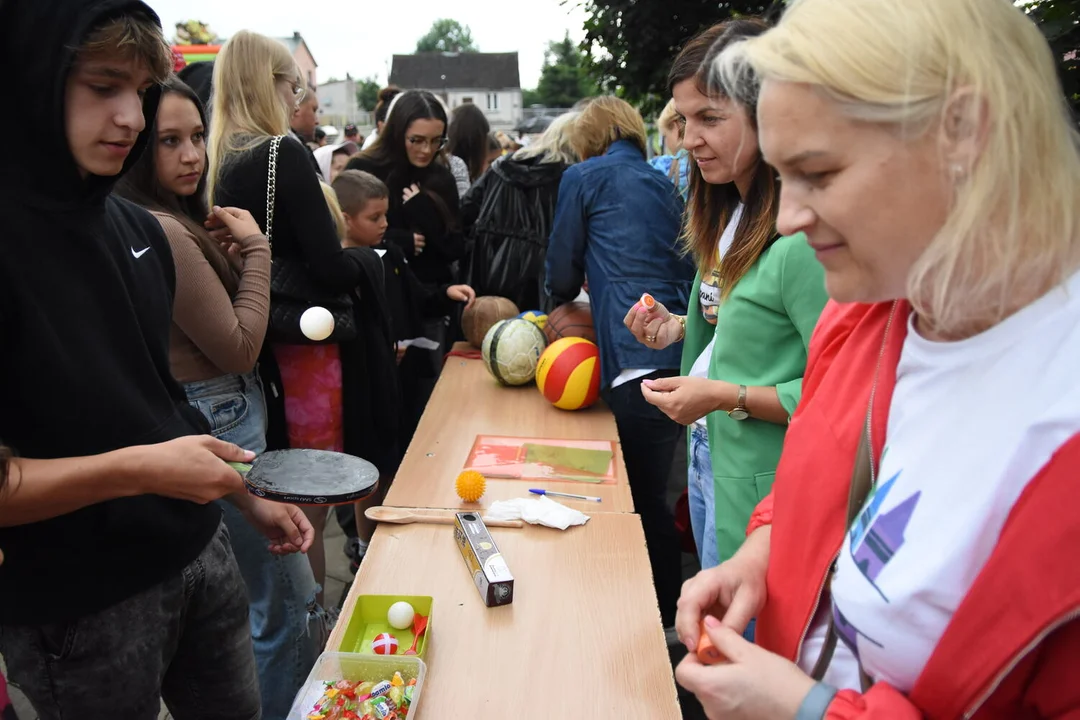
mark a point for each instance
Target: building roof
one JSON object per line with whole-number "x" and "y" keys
{"x": 456, "y": 70}
{"x": 294, "y": 42}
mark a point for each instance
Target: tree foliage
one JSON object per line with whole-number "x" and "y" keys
{"x": 367, "y": 93}
{"x": 1059, "y": 21}
{"x": 631, "y": 43}
{"x": 564, "y": 79}
{"x": 447, "y": 36}
{"x": 195, "y": 32}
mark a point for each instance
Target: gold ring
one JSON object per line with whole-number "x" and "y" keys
{"x": 651, "y": 338}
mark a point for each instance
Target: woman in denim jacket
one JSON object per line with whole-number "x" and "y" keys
{"x": 618, "y": 222}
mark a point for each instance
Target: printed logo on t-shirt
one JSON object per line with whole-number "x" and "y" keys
{"x": 873, "y": 542}
{"x": 709, "y": 296}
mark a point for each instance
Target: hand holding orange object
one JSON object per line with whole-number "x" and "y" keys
{"x": 706, "y": 651}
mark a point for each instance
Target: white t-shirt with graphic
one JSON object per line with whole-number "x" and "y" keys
{"x": 709, "y": 298}
{"x": 971, "y": 423}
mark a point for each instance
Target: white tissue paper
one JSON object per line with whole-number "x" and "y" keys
{"x": 538, "y": 511}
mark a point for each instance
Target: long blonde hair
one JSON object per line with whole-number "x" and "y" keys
{"x": 335, "y": 209}
{"x": 246, "y": 107}
{"x": 1013, "y": 231}
{"x": 556, "y": 144}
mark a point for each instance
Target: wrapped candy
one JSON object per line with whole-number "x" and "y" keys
{"x": 397, "y": 694}
{"x": 396, "y": 681}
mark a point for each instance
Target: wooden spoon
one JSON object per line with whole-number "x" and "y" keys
{"x": 405, "y": 516}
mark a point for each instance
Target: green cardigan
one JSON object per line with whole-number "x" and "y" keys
{"x": 762, "y": 335}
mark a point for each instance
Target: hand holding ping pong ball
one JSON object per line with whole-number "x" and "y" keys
{"x": 317, "y": 323}
{"x": 401, "y": 615}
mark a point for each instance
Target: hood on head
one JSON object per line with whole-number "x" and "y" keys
{"x": 324, "y": 156}
{"x": 39, "y": 40}
{"x": 528, "y": 172}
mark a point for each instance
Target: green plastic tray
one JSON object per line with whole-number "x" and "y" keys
{"x": 369, "y": 619}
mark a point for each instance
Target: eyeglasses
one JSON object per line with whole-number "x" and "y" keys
{"x": 428, "y": 143}
{"x": 298, "y": 91}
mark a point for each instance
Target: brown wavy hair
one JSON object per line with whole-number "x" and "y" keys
{"x": 710, "y": 207}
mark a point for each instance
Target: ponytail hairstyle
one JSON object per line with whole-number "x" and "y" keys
{"x": 710, "y": 207}
{"x": 1013, "y": 230}
{"x": 382, "y": 106}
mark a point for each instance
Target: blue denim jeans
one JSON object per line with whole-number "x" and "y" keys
{"x": 702, "y": 497}
{"x": 287, "y": 626}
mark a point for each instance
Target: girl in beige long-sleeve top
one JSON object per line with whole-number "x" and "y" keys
{"x": 220, "y": 312}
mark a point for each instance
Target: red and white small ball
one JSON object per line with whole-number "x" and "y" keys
{"x": 384, "y": 644}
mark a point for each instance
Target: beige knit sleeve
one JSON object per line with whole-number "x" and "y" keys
{"x": 229, "y": 332}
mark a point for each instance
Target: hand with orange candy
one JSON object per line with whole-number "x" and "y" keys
{"x": 752, "y": 684}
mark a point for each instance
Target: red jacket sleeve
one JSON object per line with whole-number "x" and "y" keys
{"x": 881, "y": 701}
{"x": 762, "y": 514}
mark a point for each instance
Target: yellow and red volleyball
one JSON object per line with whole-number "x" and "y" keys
{"x": 568, "y": 374}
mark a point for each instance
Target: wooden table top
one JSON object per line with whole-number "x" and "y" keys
{"x": 582, "y": 637}
{"x": 468, "y": 402}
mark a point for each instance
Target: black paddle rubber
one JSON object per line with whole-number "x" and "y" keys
{"x": 311, "y": 477}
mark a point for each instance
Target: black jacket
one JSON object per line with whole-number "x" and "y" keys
{"x": 86, "y": 290}
{"x": 507, "y": 216}
{"x": 305, "y": 231}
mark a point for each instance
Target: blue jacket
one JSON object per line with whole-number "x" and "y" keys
{"x": 618, "y": 222}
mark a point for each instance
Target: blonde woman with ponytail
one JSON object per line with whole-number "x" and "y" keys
{"x": 916, "y": 557}
{"x": 257, "y": 86}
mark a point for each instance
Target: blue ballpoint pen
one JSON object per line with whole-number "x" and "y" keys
{"x": 537, "y": 491}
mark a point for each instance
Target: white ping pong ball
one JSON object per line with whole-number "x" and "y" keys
{"x": 317, "y": 323}
{"x": 400, "y": 615}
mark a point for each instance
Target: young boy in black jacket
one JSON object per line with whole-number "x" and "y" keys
{"x": 118, "y": 586}
{"x": 364, "y": 201}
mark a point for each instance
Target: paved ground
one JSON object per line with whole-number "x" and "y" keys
{"x": 339, "y": 577}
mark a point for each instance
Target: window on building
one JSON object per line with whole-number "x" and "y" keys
{"x": 466, "y": 101}
{"x": 493, "y": 101}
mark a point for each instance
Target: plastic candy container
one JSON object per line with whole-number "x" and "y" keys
{"x": 365, "y": 700}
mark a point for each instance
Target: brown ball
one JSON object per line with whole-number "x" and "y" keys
{"x": 573, "y": 319}
{"x": 485, "y": 312}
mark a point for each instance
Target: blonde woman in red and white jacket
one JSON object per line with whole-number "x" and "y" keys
{"x": 925, "y": 151}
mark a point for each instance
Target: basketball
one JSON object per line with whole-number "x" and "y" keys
{"x": 570, "y": 320}
{"x": 511, "y": 351}
{"x": 569, "y": 373}
{"x": 485, "y": 312}
{"x": 538, "y": 318}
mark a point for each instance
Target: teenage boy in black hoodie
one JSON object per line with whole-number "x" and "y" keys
{"x": 119, "y": 586}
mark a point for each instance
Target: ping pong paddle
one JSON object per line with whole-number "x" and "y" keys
{"x": 309, "y": 477}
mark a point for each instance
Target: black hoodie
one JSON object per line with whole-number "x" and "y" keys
{"x": 86, "y": 287}
{"x": 507, "y": 215}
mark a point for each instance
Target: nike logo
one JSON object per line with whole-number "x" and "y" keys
{"x": 140, "y": 253}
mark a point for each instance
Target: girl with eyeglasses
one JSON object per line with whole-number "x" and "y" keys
{"x": 423, "y": 219}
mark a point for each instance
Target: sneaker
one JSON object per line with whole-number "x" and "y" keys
{"x": 355, "y": 549}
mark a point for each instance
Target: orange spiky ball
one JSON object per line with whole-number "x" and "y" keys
{"x": 470, "y": 485}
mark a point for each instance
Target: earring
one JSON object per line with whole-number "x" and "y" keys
{"x": 958, "y": 171}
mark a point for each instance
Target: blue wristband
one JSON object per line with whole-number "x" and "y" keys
{"x": 816, "y": 703}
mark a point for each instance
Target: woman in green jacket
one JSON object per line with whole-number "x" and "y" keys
{"x": 748, "y": 327}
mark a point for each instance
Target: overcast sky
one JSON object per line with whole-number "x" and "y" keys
{"x": 360, "y": 37}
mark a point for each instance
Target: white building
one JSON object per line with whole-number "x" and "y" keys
{"x": 491, "y": 81}
{"x": 338, "y": 105}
